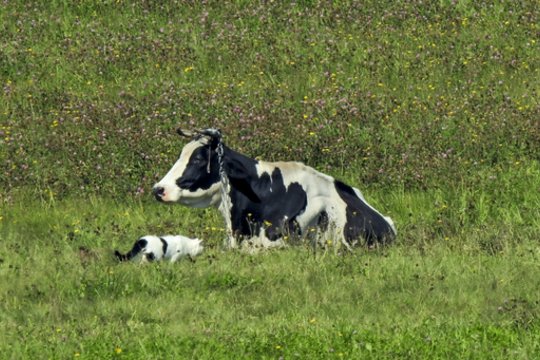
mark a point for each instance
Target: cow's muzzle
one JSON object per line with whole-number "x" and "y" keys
{"x": 158, "y": 192}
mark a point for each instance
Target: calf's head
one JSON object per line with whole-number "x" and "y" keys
{"x": 194, "y": 178}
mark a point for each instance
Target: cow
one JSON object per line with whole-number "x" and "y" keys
{"x": 269, "y": 203}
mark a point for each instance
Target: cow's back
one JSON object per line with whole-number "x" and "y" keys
{"x": 344, "y": 205}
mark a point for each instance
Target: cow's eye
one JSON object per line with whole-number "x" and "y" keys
{"x": 198, "y": 159}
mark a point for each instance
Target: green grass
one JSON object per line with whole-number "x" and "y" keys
{"x": 439, "y": 292}
{"x": 397, "y": 92}
{"x": 430, "y": 109}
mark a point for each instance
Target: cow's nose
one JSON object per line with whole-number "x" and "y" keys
{"x": 158, "y": 192}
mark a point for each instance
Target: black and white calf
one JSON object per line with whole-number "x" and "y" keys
{"x": 265, "y": 203}
{"x": 169, "y": 247}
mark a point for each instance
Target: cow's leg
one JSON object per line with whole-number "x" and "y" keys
{"x": 336, "y": 225}
{"x": 230, "y": 242}
{"x": 261, "y": 241}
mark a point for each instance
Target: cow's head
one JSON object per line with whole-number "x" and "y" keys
{"x": 194, "y": 178}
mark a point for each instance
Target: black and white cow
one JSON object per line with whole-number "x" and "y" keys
{"x": 267, "y": 203}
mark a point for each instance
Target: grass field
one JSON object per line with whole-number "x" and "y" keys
{"x": 473, "y": 294}
{"x": 430, "y": 109}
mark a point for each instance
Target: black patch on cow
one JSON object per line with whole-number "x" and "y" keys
{"x": 196, "y": 175}
{"x": 362, "y": 221}
{"x": 135, "y": 250}
{"x": 262, "y": 201}
{"x": 241, "y": 171}
{"x": 165, "y": 245}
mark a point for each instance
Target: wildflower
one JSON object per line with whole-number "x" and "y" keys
{"x": 188, "y": 69}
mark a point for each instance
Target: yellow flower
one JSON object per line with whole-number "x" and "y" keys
{"x": 118, "y": 350}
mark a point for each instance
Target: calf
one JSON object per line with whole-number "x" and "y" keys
{"x": 170, "y": 247}
{"x": 268, "y": 202}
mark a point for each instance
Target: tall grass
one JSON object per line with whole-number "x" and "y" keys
{"x": 391, "y": 93}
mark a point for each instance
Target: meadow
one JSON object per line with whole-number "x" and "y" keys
{"x": 431, "y": 109}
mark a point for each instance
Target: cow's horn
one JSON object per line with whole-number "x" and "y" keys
{"x": 212, "y": 132}
{"x": 186, "y": 133}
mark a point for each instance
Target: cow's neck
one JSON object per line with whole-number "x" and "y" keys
{"x": 225, "y": 207}
{"x": 246, "y": 162}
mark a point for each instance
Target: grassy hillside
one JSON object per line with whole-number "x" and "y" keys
{"x": 431, "y": 109}
{"x": 384, "y": 93}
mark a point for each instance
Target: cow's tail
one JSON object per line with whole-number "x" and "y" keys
{"x": 137, "y": 248}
